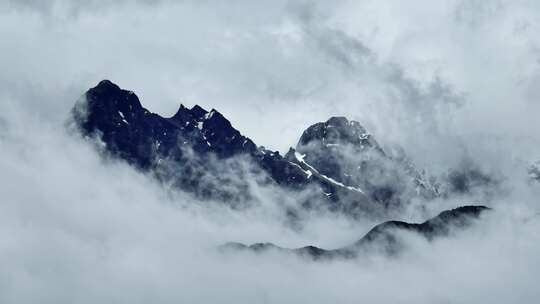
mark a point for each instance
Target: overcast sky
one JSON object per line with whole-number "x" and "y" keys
{"x": 445, "y": 80}
{"x": 441, "y": 70}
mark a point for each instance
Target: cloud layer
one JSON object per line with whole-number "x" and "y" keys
{"x": 446, "y": 81}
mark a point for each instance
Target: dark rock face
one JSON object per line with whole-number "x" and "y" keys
{"x": 343, "y": 151}
{"x": 197, "y": 150}
{"x": 383, "y": 237}
{"x": 326, "y": 144}
{"x": 136, "y": 134}
{"x": 201, "y": 152}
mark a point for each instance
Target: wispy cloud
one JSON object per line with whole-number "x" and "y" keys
{"x": 445, "y": 81}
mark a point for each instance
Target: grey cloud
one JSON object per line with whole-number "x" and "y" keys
{"x": 443, "y": 80}
{"x": 474, "y": 13}
{"x": 419, "y": 101}
{"x": 72, "y": 8}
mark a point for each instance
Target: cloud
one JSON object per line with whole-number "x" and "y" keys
{"x": 446, "y": 81}
{"x": 78, "y": 228}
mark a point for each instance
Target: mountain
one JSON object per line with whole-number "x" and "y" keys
{"x": 344, "y": 153}
{"x": 384, "y": 237}
{"x": 338, "y": 162}
{"x": 193, "y": 150}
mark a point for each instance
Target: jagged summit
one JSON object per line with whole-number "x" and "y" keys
{"x": 337, "y": 159}
{"x": 198, "y": 112}
{"x": 107, "y": 83}
{"x": 108, "y": 96}
{"x": 182, "y": 114}
{"x": 336, "y": 131}
{"x": 180, "y": 148}
{"x": 114, "y": 111}
{"x": 345, "y": 153}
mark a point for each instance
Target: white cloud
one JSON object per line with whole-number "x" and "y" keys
{"x": 442, "y": 79}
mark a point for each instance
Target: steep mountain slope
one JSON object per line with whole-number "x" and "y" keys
{"x": 201, "y": 152}
{"x": 344, "y": 153}
{"x": 195, "y": 150}
{"x": 384, "y": 237}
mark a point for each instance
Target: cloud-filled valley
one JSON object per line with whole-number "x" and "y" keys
{"x": 448, "y": 91}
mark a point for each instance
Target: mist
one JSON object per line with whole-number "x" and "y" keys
{"x": 452, "y": 83}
